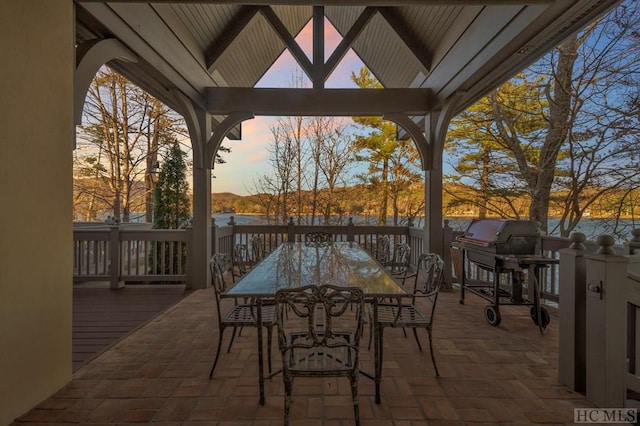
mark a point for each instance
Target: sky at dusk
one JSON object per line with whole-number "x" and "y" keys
{"x": 248, "y": 159}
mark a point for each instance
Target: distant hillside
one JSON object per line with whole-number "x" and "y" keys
{"x": 224, "y": 202}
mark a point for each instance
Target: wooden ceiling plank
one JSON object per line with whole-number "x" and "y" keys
{"x": 410, "y": 39}
{"x": 138, "y": 44}
{"x": 219, "y": 46}
{"x": 381, "y": 3}
{"x": 172, "y": 21}
{"x": 476, "y": 41}
{"x": 143, "y": 19}
{"x": 286, "y": 37}
{"x": 346, "y": 42}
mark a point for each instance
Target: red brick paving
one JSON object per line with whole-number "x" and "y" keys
{"x": 159, "y": 374}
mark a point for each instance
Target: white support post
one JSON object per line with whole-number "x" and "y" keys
{"x": 201, "y": 249}
{"x": 606, "y": 313}
{"x": 433, "y": 212}
{"x": 114, "y": 257}
{"x": 572, "y": 312}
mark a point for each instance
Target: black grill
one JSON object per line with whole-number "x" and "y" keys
{"x": 503, "y": 247}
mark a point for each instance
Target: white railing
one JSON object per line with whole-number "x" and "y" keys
{"x": 122, "y": 253}
{"x": 118, "y": 255}
{"x": 272, "y": 235}
{"x": 137, "y": 254}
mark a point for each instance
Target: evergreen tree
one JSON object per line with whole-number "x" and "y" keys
{"x": 393, "y": 164}
{"x": 171, "y": 209}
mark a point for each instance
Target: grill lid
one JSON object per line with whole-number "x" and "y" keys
{"x": 484, "y": 231}
{"x": 488, "y": 232}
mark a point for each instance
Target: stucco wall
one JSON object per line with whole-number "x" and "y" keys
{"x": 36, "y": 132}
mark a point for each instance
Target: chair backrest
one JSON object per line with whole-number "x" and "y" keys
{"x": 302, "y": 303}
{"x": 318, "y": 237}
{"x": 257, "y": 249}
{"x": 382, "y": 249}
{"x": 241, "y": 257}
{"x": 429, "y": 278}
{"x": 217, "y": 265}
{"x": 400, "y": 258}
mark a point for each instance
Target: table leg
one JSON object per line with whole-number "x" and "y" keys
{"x": 260, "y": 356}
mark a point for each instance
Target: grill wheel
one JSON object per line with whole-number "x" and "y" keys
{"x": 492, "y": 315}
{"x": 544, "y": 315}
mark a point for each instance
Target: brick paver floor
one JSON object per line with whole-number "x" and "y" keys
{"x": 159, "y": 373}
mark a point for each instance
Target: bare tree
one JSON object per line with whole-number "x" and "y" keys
{"x": 275, "y": 189}
{"x": 118, "y": 146}
{"x": 565, "y": 131}
{"x": 332, "y": 150}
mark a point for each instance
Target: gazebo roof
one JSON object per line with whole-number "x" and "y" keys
{"x": 462, "y": 47}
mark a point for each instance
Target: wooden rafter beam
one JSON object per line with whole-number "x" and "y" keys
{"x": 348, "y": 39}
{"x": 233, "y": 30}
{"x": 319, "y": 102}
{"x": 286, "y": 37}
{"x": 318, "y": 47}
{"x": 400, "y": 26}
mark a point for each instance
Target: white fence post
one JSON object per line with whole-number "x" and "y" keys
{"x": 190, "y": 272}
{"x": 606, "y": 313}
{"x": 572, "y": 313}
{"x": 115, "y": 257}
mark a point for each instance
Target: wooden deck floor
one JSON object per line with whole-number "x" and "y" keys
{"x": 102, "y": 317}
{"x": 160, "y": 374}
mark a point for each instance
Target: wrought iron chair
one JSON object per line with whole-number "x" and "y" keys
{"x": 240, "y": 258}
{"x": 401, "y": 314}
{"x": 399, "y": 265}
{"x": 318, "y": 237}
{"x": 382, "y": 249}
{"x": 241, "y": 315}
{"x": 330, "y": 349}
{"x": 257, "y": 252}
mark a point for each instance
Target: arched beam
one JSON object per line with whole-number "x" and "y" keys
{"x": 90, "y": 56}
{"x": 196, "y": 120}
{"x": 416, "y": 134}
{"x": 221, "y": 130}
{"x": 437, "y": 128}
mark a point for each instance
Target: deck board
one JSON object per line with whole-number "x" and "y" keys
{"x": 160, "y": 373}
{"x": 102, "y": 317}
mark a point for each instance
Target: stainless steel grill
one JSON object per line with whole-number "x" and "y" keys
{"x": 504, "y": 247}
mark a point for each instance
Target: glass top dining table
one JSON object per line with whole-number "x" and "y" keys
{"x": 297, "y": 264}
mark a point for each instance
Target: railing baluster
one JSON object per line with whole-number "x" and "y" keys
{"x": 162, "y": 253}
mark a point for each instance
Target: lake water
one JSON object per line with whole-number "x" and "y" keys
{"x": 592, "y": 228}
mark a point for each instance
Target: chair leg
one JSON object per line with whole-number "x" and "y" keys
{"x": 433, "y": 358}
{"x": 354, "y": 395}
{"x": 370, "y": 332}
{"x": 288, "y": 390}
{"x": 215, "y": 361}
{"x": 269, "y": 335}
{"x": 378, "y": 360}
{"x": 233, "y": 336}
{"x": 415, "y": 334}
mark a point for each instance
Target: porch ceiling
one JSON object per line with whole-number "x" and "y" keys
{"x": 446, "y": 46}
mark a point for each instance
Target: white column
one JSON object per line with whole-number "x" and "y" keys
{"x": 433, "y": 212}
{"x": 201, "y": 250}
{"x": 572, "y": 313}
